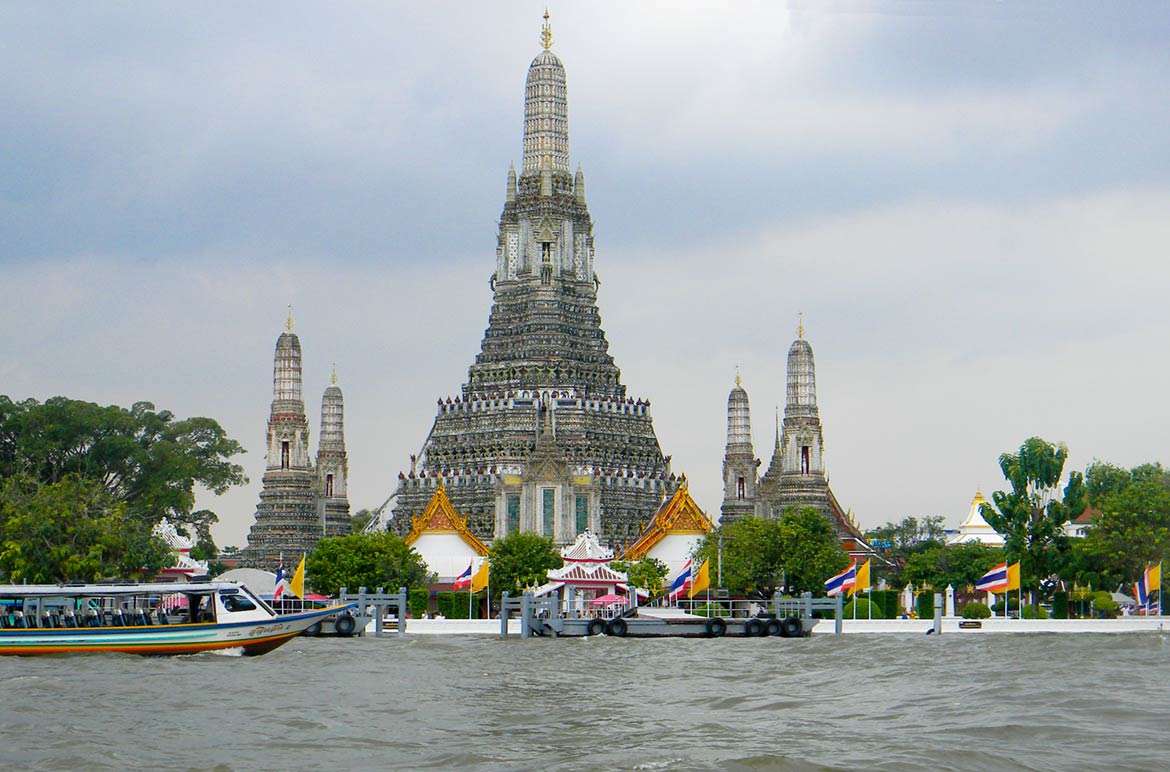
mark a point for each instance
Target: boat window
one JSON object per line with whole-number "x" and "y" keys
{"x": 237, "y": 603}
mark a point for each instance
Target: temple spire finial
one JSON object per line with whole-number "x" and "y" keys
{"x": 800, "y": 325}
{"x": 288, "y": 322}
{"x": 546, "y": 36}
{"x": 738, "y": 380}
{"x": 333, "y": 377}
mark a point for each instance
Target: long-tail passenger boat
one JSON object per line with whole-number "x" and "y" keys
{"x": 145, "y": 619}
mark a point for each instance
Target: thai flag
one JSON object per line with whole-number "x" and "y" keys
{"x": 281, "y": 584}
{"x": 1142, "y": 590}
{"x": 842, "y": 581}
{"x": 681, "y": 583}
{"x": 995, "y": 580}
{"x": 463, "y": 581}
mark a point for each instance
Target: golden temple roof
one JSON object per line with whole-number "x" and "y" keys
{"x": 440, "y": 517}
{"x": 681, "y": 515}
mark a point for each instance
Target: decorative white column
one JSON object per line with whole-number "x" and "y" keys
{"x": 950, "y": 607}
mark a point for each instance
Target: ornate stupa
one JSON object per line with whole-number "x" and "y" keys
{"x": 796, "y": 473}
{"x": 298, "y": 505}
{"x": 543, "y": 436}
{"x": 739, "y": 460}
{"x": 332, "y": 463}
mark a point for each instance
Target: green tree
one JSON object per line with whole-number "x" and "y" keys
{"x": 365, "y": 560}
{"x": 898, "y": 542}
{"x": 1133, "y": 528}
{"x": 759, "y": 556}
{"x": 646, "y": 574}
{"x": 521, "y": 560}
{"x": 360, "y": 519}
{"x": 811, "y": 551}
{"x": 1032, "y": 515}
{"x": 72, "y": 530}
{"x": 147, "y": 459}
{"x": 959, "y": 565}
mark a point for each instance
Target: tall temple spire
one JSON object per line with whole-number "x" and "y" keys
{"x": 739, "y": 460}
{"x": 332, "y": 463}
{"x": 543, "y": 437}
{"x": 285, "y": 516}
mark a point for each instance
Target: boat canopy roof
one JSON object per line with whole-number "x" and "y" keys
{"x": 121, "y": 588}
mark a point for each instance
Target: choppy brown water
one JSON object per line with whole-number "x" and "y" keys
{"x": 1002, "y": 702}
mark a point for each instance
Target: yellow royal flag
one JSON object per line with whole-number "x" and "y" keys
{"x": 1013, "y": 577}
{"x": 701, "y": 581}
{"x": 1154, "y": 578}
{"x": 480, "y": 580}
{"x": 297, "y": 585}
{"x": 861, "y": 583}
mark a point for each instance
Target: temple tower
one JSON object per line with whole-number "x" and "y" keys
{"x": 286, "y": 517}
{"x": 739, "y": 460}
{"x": 332, "y": 464}
{"x": 542, "y": 436}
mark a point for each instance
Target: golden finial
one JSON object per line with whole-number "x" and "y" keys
{"x": 546, "y": 38}
{"x": 800, "y": 325}
{"x": 333, "y": 378}
{"x": 288, "y": 324}
{"x": 738, "y": 382}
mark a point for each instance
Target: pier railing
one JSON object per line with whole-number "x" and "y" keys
{"x": 382, "y": 603}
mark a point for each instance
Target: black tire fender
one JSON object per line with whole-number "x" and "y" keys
{"x": 754, "y": 628}
{"x": 715, "y": 627}
{"x": 774, "y": 627}
{"x": 792, "y": 628}
{"x": 345, "y": 625}
{"x": 597, "y": 626}
{"x": 314, "y": 629}
{"x": 617, "y": 627}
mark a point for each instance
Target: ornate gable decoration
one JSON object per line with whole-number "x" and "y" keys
{"x": 586, "y": 549}
{"x": 681, "y": 515}
{"x": 577, "y": 573}
{"x": 440, "y": 517}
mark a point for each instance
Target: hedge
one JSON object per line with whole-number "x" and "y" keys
{"x": 1060, "y": 605}
{"x": 864, "y": 608}
{"x": 887, "y": 601}
{"x": 925, "y": 605}
{"x": 975, "y": 610}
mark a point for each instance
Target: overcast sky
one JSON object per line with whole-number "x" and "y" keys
{"x": 969, "y": 202}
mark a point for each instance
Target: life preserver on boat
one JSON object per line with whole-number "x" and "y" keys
{"x": 754, "y": 628}
{"x": 345, "y": 625}
{"x": 617, "y": 627}
{"x": 596, "y": 626}
{"x": 314, "y": 629}
{"x": 715, "y": 627}
{"x": 774, "y": 627}
{"x": 791, "y": 627}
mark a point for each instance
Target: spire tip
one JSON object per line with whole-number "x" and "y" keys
{"x": 546, "y": 36}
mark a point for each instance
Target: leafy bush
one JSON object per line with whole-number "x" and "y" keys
{"x": 925, "y": 605}
{"x": 1030, "y": 613}
{"x": 1104, "y": 604}
{"x": 710, "y": 610}
{"x": 1013, "y": 605}
{"x": 975, "y": 611}
{"x": 864, "y": 610}
{"x": 1060, "y": 605}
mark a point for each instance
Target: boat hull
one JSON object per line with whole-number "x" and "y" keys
{"x": 253, "y": 637}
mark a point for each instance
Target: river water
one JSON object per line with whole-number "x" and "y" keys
{"x": 883, "y": 702}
